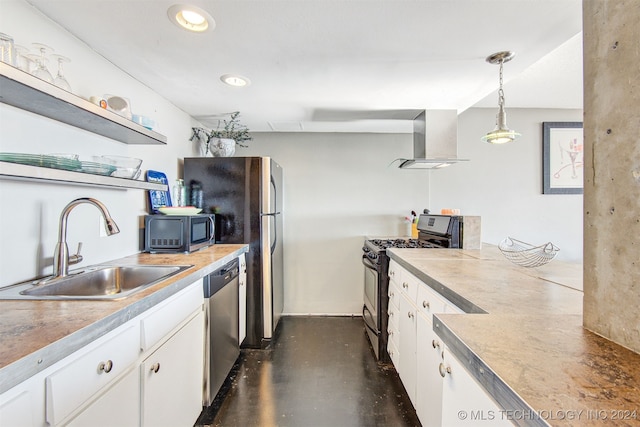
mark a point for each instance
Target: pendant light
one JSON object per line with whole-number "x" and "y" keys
{"x": 501, "y": 134}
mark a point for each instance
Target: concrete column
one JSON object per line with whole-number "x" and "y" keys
{"x": 611, "y": 31}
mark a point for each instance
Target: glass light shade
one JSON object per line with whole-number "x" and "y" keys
{"x": 501, "y": 134}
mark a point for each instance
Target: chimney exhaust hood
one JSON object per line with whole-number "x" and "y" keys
{"x": 441, "y": 147}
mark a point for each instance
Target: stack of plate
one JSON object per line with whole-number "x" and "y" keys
{"x": 65, "y": 162}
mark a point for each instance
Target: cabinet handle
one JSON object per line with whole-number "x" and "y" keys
{"x": 410, "y": 314}
{"x": 426, "y": 304}
{"x": 435, "y": 344}
{"x": 155, "y": 367}
{"x": 444, "y": 370}
{"x": 105, "y": 367}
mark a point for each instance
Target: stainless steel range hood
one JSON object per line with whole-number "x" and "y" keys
{"x": 435, "y": 140}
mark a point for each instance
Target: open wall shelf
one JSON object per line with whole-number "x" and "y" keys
{"x": 16, "y": 171}
{"x": 24, "y": 91}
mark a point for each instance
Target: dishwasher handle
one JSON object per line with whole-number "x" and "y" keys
{"x": 217, "y": 280}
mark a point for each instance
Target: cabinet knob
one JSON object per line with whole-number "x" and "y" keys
{"x": 444, "y": 370}
{"x": 392, "y": 273}
{"x": 155, "y": 367}
{"x": 390, "y": 313}
{"x": 391, "y": 295}
{"x": 105, "y": 367}
{"x": 405, "y": 285}
{"x": 435, "y": 343}
{"x": 410, "y": 314}
{"x": 426, "y": 304}
{"x": 390, "y": 332}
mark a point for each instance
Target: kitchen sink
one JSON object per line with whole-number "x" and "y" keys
{"x": 100, "y": 282}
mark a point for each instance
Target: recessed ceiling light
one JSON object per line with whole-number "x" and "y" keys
{"x": 235, "y": 80}
{"x": 191, "y": 18}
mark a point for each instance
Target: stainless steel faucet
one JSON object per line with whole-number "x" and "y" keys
{"x": 61, "y": 257}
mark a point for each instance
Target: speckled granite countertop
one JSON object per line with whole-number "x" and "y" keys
{"x": 36, "y": 334}
{"x": 524, "y": 340}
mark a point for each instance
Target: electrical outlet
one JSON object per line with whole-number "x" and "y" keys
{"x": 102, "y": 230}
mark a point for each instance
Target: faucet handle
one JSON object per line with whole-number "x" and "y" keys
{"x": 75, "y": 259}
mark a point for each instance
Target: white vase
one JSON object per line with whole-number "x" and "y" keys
{"x": 222, "y": 147}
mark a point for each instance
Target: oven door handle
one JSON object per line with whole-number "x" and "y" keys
{"x": 364, "y": 316}
{"x": 368, "y": 264}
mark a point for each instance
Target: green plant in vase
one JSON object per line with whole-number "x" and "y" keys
{"x": 222, "y": 140}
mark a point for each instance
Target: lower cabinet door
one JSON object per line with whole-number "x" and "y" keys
{"x": 118, "y": 406}
{"x": 408, "y": 358}
{"x": 172, "y": 378}
{"x": 464, "y": 401}
{"x": 429, "y": 382}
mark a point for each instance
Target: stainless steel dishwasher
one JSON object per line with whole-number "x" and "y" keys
{"x": 222, "y": 348}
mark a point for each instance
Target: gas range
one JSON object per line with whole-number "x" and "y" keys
{"x": 434, "y": 231}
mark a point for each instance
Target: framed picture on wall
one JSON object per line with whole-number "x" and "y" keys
{"x": 562, "y": 158}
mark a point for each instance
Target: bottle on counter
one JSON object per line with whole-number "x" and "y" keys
{"x": 196, "y": 194}
{"x": 179, "y": 193}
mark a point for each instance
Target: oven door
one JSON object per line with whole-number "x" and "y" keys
{"x": 370, "y": 310}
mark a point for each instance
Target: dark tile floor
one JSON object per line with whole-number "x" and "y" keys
{"x": 319, "y": 371}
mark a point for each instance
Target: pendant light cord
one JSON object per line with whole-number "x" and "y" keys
{"x": 500, "y": 91}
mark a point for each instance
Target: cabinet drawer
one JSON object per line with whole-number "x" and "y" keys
{"x": 395, "y": 272}
{"x": 393, "y": 313}
{"x": 429, "y": 301}
{"x": 394, "y": 354}
{"x": 160, "y": 321}
{"x": 79, "y": 379}
{"x": 409, "y": 285}
{"x": 394, "y": 332}
{"x": 394, "y": 295}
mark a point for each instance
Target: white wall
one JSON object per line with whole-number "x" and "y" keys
{"x": 338, "y": 188}
{"x": 29, "y": 211}
{"x": 503, "y": 183}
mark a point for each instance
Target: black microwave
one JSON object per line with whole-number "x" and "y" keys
{"x": 178, "y": 233}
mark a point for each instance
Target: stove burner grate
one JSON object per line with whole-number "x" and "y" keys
{"x": 403, "y": 243}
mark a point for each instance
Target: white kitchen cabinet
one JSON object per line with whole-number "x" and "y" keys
{"x": 119, "y": 405}
{"x": 23, "y": 405}
{"x": 393, "y": 330}
{"x": 408, "y": 358}
{"x": 172, "y": 377}
{"x": 436, "y": 383}
{"x": 103, "y": 383}
{"x": 429, "y": 354}
{"x": 464, "y": 401}
{"x": 242, "y": 299}
{"x": 82, "y": 377}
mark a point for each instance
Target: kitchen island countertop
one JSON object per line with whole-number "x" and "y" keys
{"x": 523, "y": 339}
{"x": 36, "y": 334}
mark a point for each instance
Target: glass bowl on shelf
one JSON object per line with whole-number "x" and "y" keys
{"x": 125, "y": 167}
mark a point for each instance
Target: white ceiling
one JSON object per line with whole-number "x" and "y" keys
{"x": 316, "y": 65}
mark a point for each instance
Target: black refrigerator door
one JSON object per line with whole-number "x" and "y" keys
{"x": 231, "y": 190}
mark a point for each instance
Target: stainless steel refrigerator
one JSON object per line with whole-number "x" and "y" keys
{"x": 245, "y": 194}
